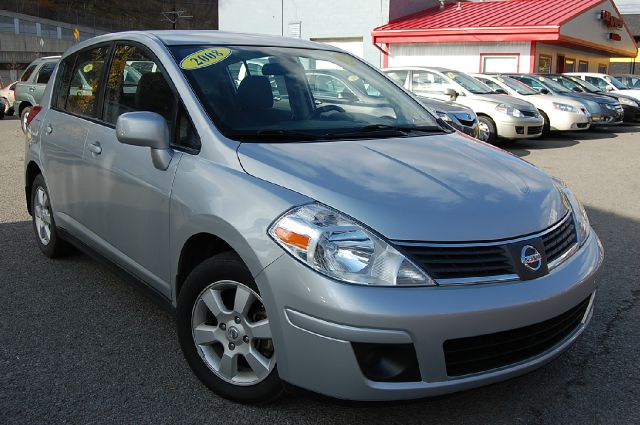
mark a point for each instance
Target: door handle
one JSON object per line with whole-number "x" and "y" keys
{"x": 48, "y": 129}
{"x": 32, "y": 89}
{"x": 95, "y": 148}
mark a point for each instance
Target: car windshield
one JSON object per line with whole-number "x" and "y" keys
{"x": 566, "y": 82}
{"x": 557, "y": 87}
{"x": 591, "y": 88}
{"x": 519, "y": 87}
{"x": 616, "y": 83}
{"x": 280, "y": 94}
{"x": 468, "y": 83}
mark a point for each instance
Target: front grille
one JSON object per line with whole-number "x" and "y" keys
{"x": 558, "y": 241}
{"x": 535, "y": 130}
{"x": 464, "y": 118}
{"x": 529, "y": 114}
{"x": 462, "y": 262}
{"x": 489, "y": 261}
{"x": 475, "y": 354}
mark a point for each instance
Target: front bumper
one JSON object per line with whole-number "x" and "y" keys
{"x": 519, "y": 128}
{"x": 608, "y": 117}
{"x": 631, "y": 113}
{"x": 569, "y": 121}
{"x": 314, "y": 321}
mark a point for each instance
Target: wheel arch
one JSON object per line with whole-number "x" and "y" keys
{"x": 32, "y": 171}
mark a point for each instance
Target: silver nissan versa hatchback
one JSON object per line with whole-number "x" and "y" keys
{"x": 365, "y": 255}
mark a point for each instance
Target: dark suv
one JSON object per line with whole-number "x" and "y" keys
{"x": 30, "y": 88}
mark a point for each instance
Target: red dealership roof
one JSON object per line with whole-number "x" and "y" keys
{"x": 510, "y": 20}
{"x": 513, "y": 13}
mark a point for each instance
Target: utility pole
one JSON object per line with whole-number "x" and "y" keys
{"x": 175, "y": 15}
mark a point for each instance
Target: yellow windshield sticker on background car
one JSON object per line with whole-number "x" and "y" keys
{"x": 451, "y": 75}
{"x": 87, "y": 68}
{"x": 353, "y": 78}
{"x": 205, "y": 57}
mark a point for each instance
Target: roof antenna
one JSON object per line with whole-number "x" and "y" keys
{"x": 459, "y": 6}
{"x": 441, "y": 4}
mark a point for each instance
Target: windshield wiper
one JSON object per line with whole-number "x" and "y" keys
{"x": 381, "y": 129}
{"x": 272, "y": 135}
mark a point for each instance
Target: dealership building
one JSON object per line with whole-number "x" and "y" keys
{"x": 509, "y": 36}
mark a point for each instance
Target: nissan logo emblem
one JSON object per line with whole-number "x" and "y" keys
{"x": 531, "y": 258}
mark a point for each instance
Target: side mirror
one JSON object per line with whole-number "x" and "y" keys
{"x": 453, "y": 95}
{"x": 578, "y": 89}
{"x": 500, "y": 91}
{"x": 543, "y": 91}
{"x": 146, "y": 129}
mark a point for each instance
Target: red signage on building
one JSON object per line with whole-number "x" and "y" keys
{"x": 614, "y": 36}
{"x": 609, "y": 20}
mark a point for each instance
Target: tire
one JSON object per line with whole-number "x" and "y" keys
{"x": 227, "y": 334}
{"x": 10, "y": 112}
{"x": 546, "y": 126}
{"x": 47, "y": 236}
{"x": 489, "y": 134}
{"x": 23, "y": 118}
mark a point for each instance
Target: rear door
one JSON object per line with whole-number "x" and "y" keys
{"x": 67, "y": 127}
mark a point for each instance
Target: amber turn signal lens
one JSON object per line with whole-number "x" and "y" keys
{"x": 292, "y": 238}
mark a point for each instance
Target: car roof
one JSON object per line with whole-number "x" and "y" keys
{"x": 430, "y": 68}
{"x": 195, "y": 37}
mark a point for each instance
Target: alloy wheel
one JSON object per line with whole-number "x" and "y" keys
{"x": 42, "y": 215}
{"x": 485, "y": 132}
{"x": 231, "y": 332}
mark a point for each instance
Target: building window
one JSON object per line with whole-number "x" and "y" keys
{"x": 28, "y": 27}
{"x": 499, "y": 62}
{"x": 602, "y": 68}
{"x": 544, "y": 64}
{"x": 7, "y": 24}
{"x": 48, "y": 31}
{"x": 569, "y": 65}
{"x": 583, "y": 66}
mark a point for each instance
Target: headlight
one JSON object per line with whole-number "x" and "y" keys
{"x": 509, "y": 110}
{"x": 564, "y": 107}
{"x": 336, "y": 246}
{"x": 580, "y": 215}
{"x": 628, "y": 102}
{"x": 444, "y": 116}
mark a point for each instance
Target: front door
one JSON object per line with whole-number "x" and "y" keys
{"x": 134, "y": 224}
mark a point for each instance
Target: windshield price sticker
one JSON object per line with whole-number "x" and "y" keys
{"x": 205, "y": 57}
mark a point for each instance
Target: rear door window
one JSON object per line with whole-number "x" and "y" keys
{"x": 45, "y": 72}
{"x": 27, "y": 73}
{"x": 399, "y": 77}
{"x": 63, "y": 80}
{"x": 86, "y": 79}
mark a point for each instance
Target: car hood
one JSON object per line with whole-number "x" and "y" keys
{"x": 443, "y": 106}
{"x": 444, "y": 187}
{"x": 599, "y": 98}
{"x": 496, "y": 99}
{"x": 628, "y": 92}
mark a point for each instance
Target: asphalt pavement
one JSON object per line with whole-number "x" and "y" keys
{"x": 78, "y": 344}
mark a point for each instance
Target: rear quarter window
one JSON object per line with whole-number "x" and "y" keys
{"x": 27, "y": 73}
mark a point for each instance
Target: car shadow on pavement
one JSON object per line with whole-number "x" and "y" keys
{"x": 77, "y": 343}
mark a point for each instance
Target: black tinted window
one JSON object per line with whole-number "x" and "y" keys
{"x": 45, "y": 72}
{"x": 135, "y": 83}
{"x": 85, "y": 82}
{"x": 27, "y": 73}
{"x": 63, "y": 80}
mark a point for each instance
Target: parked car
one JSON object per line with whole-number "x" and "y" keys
{"x": 559, "y": 113}
{"x": 359, "y": 255}
{"x": 630, "y": 105}
{"x": 30, "y": 88}
{"x": 631, "y": 81}
{"x": 459, "y": 117}
{"x": 607, "y": 83}
{"x": 2, "y": 107}
{"x": 8, "y": 94}
{"x": 499, "y": 116}
{"x": 604, "y": 110}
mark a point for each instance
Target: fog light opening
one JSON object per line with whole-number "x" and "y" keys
{"x": 387, "y": 362}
